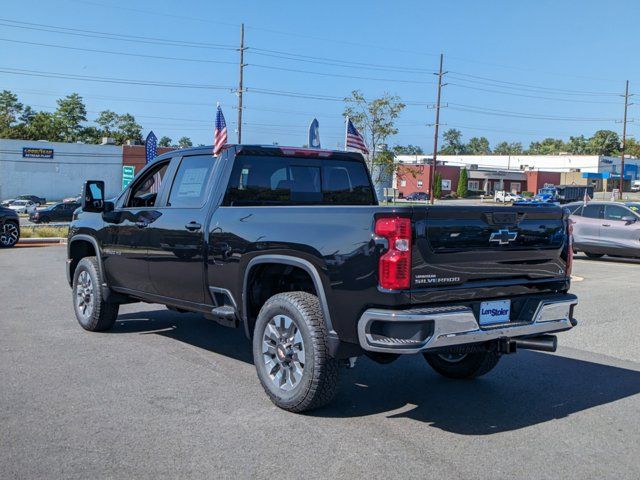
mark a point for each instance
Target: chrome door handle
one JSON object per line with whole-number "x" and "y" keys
{"x": 141, "y": 224}
{"x": 606, "y": 224}
{"x": 193, "y": 226}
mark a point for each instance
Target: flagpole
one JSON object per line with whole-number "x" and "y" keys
{"x": 346, "y": 129}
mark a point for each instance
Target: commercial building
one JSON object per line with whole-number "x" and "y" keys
{"x": 517, "y": 173}
{"x": 56, "y": 170}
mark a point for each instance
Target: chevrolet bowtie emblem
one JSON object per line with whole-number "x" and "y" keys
{"x": 503, "y": 237}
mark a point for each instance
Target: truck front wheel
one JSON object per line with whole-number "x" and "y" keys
{"x": 92, "y": 312}
{"x": 463, "y": 365}
{"x": 291, "y": 355}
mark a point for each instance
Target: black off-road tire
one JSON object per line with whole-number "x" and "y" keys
{"x": 471, "y": 365}
{"x": 101, "y": 315}
{"x": 594, "y": 255}
{"x": 318, "y": 383}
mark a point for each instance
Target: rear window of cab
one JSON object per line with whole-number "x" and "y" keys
{"x": 265, "y": 180}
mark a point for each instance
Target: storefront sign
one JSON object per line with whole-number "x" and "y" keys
{"x": 28, "y": 152}
{"x": 128, "y": 172}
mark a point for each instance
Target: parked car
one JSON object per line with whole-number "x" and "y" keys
{"x": 9, "y": 227}
{"x": 417, "y": 196}
{"x": 606, "y": 228}
{"x": 58, "y": 212}
{"x": 39, "y": 201}
{"x": 6, "y": 202}
{"x": 635, "y": 186}
{"x": 292, "y": 245}
{"x": 23, "y": 206}
{"x": 505, "y": 197}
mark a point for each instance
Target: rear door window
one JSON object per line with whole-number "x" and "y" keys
{"x": 592, "y": 211}
{"x": 615, "y": 212}
{"x": 189, "y": 189}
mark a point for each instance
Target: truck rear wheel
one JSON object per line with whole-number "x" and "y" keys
{"x": 463, "y": 365}
{"x": 92, "y": 312}
{"x": 291, "y": 355}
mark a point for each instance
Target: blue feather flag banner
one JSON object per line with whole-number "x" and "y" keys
{"x": 151, "y": 146}
{"x": 314, "y": 134}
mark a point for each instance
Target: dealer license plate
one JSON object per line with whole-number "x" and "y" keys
{"x": 495, "y": 312}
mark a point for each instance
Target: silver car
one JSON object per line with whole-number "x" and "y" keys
{"x": 606, "y": 228}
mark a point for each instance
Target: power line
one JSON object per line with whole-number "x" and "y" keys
{"x": 111, "y": 36}
{"x": 112, "y": 52}
{"x": 90, "y": 78}
{"x": 529, "y": 86}
{"x": 505, "y": 113}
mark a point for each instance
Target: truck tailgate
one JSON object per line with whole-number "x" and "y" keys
{"x": 484, "y": 246}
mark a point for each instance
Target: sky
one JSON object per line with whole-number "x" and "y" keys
{"x": 517, "y": 71}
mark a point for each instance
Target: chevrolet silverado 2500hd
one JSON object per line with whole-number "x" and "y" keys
{"x": 291, "y": 245}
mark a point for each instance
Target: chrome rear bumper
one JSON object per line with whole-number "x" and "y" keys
{"x": 457, "y": 325}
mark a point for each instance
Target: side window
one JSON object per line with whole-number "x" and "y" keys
{"x": 189, "y": 187}
{"x": 591, "y": 211}
{"x": 145, "y": 191}
{"x": 576, "y": 210}
{"x": 615, "y": 212}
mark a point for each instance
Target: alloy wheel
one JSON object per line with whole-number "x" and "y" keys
{"x": 9, "y": 236}
{"x": 84, "y": 294}
{"x": 283, "y": 352}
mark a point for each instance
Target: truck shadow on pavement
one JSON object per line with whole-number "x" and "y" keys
{"x": 523, "y": 390}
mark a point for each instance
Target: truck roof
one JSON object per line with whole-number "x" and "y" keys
{"x": 273, "y": 150}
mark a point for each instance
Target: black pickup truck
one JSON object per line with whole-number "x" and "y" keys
{"x": 291, "y": 245}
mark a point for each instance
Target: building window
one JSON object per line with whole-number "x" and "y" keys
{"x": 446, "y": 184}
{"x": 419, "y": 183}
{"x": 473, "y": 185}
{"x": 515, "y": 187}
{"x": 403, "y": 183}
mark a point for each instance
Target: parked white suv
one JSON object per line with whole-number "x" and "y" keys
{"x": 504, "y": 196}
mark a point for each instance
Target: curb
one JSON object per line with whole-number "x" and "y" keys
{"x": 50, "y": 240}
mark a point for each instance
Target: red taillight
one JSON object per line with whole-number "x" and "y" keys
{"x": 569, "y": 246}
{"x": 307, "y": 152}
{"x": 394, "y": 268}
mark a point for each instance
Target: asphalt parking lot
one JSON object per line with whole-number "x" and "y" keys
{"x": 169, "y": 395}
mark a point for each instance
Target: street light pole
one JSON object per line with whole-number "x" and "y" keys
{"x": 624, "y": 137}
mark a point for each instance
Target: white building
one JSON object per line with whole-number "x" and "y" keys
{"x": 550, "y": 163}
{"x": 57, "y": 170}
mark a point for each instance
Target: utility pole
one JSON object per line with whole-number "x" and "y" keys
{"x": 432, "y": 171}
{"x": 624, "y": 137}
{"x": 240, "y": 87}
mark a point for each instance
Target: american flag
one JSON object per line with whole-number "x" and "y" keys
{"x": 220, "y": 133}
{"x": 354, "y": 138}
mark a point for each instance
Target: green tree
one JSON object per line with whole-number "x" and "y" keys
{"x": 164, "y": 142}
{"x": 577, "y": 145}
{"x": 407, "y": 150}
{"x": 478, "y": 146}
{"x": 452, "y": 142}
{"x": 70, "y": 115}
{"x": 506, "y": 148}
{"x": 548, "y": 146}
{"x": 437, "y": 186}
{"x": 43, "y": 126}
{"x": 10, "y": 111}
{"x": 128, "y": 129}
{"x": 185, "y": 142}
{"x": 91, "y": 134}
{"x": 108, "y": 121}
{"x": 375, "y": 119}
{"x": 463, "y": 183}
{"x": 604, "y": 142}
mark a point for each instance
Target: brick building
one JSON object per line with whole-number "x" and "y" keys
{"x": 135, "y": 155}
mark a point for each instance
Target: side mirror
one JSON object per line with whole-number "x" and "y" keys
{"x": 629, "y": 219}
{"x": 93, "y": 196}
